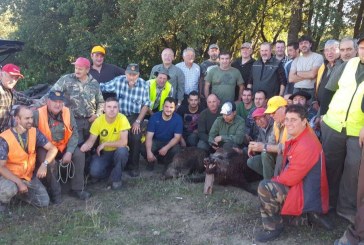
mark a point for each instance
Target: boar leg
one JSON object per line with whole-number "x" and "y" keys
{"x": 209, "y": 182}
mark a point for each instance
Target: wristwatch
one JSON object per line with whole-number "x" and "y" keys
{"x": 265, "y": 148}
{"x": 137, "y": 121}
{"x": 46, "y": 162}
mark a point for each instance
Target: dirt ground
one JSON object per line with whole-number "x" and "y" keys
{"x": 152, "y": 211}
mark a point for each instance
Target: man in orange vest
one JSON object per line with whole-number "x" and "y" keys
{"x": 18, "y": 174}
{"x": 58, "y": 124}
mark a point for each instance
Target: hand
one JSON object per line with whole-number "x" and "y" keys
{"x": 85, "y": 147}
{"x": 151, "y": 157}
{"x": 248, "y": 138}
{"x": 135, "y": 128}
{"x": 217, "y": 139}
{"x": 100, "y": 148}
{"x": 315, "y": 105}
{"x": 42, "y": 171}
{"x": 250, "y": 152}
{"x": 22, "y": 188}
{"x": 215, "y": 146}
{"x": 163, "y": 151}
{"x": 361, "y": 137}
{"x": 238, "y": 150}
{"x": 92, "y": 118}
{"x": 317, "y": 123}
{"x": 67, "y": 157}
{"x": 256, "y": 146}
{"x": 183, "y": 142}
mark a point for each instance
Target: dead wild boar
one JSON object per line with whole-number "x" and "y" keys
{"x": 229, "y": 168}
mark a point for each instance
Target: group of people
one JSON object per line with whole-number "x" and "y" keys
{"x": 299, "y": 117}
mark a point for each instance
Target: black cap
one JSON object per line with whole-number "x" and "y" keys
{"x": 300, "y": 93}
{"x": 162, "y": 70}
{"x": 56, "y": 95}
{"x": 132, "y": 69}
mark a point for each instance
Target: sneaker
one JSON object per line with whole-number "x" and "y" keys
{"x": 116, "y": 185}
{"x": 342, "y": 241}
{"x": 82, "y": 195}
{"x": 266, "y": 235}
{"x": 319, "y": 219}
{"x": 349, "y": 217}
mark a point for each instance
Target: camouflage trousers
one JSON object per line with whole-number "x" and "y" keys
{"x": 272, "y": 196}
{"x": 37, "y": 194}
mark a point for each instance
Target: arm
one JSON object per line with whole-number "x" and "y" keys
{"x": 73, "y": 141}
{"x": 281, "y": 78}
{"x": 207, "y": 89}
{"x": 99, "y": 105}
{"x": 122, "y": 142}
{"x": 311, "y": 74}
{"x": 7, "y": 174}
{"x": 136, "y": 126}
{"x": 180, "y": 85}
{"x": 148, "y": 147}
{"x": 241, "y": 89}
{"x": 50, "y": 156}
{"x": 201, "y": 126}
{"x": 237, "y": 136}
{"x": 214, "y": 131}
{"x": 89, "y": 143}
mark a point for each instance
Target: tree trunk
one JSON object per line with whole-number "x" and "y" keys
{"x": 338, "y": 22}
{"x": 295, "y": 22}
{"x": 359, "y": 20}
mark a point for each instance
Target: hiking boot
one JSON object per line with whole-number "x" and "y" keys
{"x": 319, "y": 219}
{"x": 82, "y": 195}
{"x": 266, "y": 235}
{"x": 349, "y": 217}
{"x": 150, "y": 166}
{"x": 56, "y": 200}
{"x": 116, "y": 185}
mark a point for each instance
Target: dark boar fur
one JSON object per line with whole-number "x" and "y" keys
{"x": 189, "y": 160}
{"x": 230, "y": 168}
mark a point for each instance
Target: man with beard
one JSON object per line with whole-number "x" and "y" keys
{"x": 159, "y": 89}
{"x": 205, "y": 66}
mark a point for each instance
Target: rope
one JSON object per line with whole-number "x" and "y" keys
{"x": 70, "y": 171}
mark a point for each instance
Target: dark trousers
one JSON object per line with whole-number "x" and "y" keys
{"x": 156, "y": 146}
{"x": 134, "y": 144}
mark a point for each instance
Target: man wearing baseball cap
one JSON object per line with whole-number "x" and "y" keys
{"x": 245, "y": 62}
{"x": 206, "y": 65}
{"x": 9, "y": 76}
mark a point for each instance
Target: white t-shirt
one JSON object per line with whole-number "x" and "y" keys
{"x": 306, "y": 63}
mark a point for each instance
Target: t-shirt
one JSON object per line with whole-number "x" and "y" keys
{"x": 306, "y": 63}
{"x": 223, "y": 82}
{"x": 109, "y": 132}
{"x": 164, "y": 130}
{"x": 190, "y": 120}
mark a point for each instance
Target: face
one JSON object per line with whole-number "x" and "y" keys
{"x": 168, "y": 108}
{"x": 280, "y": 49}
{"x": 167, "y": 56}
{"x": 111, "y": 109}
{"x": 161, "y": 80}
{"x": 305, "y": 46}
{"x": 55, "y": 106}
{"x": 292, "y": 53}
{"x": 9, "y": 81}
{"x": 279, "y": 114}
{"x": 246, "y": 52}
{"x": 331, "y": 53}
{"x": 97, "y": 59}
{"x": 259, "y": 100}
{"x": 189, "y": 57}
{"x": 229, "y": 118}
{"x": 247, "y": 97}
{"x": 261, "y": 122}
{"x": 193, "y": 101}
{"x": 224, "y": 61}
{"x": 294, "y": 124}
{"x": 265, "y": 52}
{"x": 25, "y": 118}
{"x": 214, "y": 53}
{"x": 347, "y": 50}
{"x": 213, "y": 103}
{"x": 81, "y": 72}
{"x": 131, "y": 77}
{"x": 298, "y": 99}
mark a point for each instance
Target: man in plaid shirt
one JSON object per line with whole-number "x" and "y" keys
{"x": 133, "y": 95}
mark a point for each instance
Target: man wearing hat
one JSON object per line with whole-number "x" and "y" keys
{"x": 82, "y": 96}
{"x": 245, "y": 62}
{"x": 58, "y": 124}
{"x": 206, "y": 65}
{"x": 9, "y": 76}
{"x": 302, "y": 98}
{"x": 159, "y": 89}
{"x": 228, "y": 129}
{"x": 102, "y": 71}
{"x": 342, "y": 129}
{"x": 133, "y": 94}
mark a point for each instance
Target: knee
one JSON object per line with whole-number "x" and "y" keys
{"x": 262, "y": 187}
{"x": 44, "y": 202}
{"x": 8, "y": 191}
{"x": 122, "y": 152}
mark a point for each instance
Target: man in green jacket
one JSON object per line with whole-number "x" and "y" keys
{"x": 228, "y": 129}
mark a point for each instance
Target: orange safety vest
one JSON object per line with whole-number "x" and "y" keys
{"x": 44, "y": 127}
{"x": 19, "y": 162}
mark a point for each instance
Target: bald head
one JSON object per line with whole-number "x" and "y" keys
{"x": 213, "y": 103}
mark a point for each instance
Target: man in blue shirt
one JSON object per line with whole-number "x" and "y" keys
{"x": 164, "y": 133}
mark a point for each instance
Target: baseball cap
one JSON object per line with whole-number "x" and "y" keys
{"x": 228, "y": 108}
{"x": 12, "y": 70}
{"x": 56, "y": 95}
{"x": 132, "y": 69}
{"x": 246, "y": 45}
{"x": 213, "y": 46}
{"x": 98, "y": 49}
{"x": 162, "y": 70}
{"x": 81, "y": 61}
{"x": 300, "y": 93}
{"x": 258, "y": 112}
{"x": 274, "y": 103}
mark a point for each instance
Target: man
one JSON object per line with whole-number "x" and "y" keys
{"x": 245, "y": 62}
{"x": 206, "y": 65}
{"x": 112, "y": 152}
{"x": 343, "y": 134}
{"x": 304, "y": 68}
{"x": 177, "y": 78}
{"x": 293, "y": 52}
{"x": 244, "y": 107}
{"x": 18, "y": 176}
{"x": 228, "y": 130}
{"x": 133, "y": 94}
{"x": 223, "y": 79}
{"x": 9, "y": 76}
{"x": 190, "y": 70}
{"x": 348, "y": 48}
{"x": 251, "y": 130}
{"x": 280, "y": 51}
{"x": 163, "y": 135}
{"x": 159, "y": 89}
{"x": 59, "y": 126}
{"x": 302, "y": 98}
{"x": 268, "y": 73}
{"x": 82, "y": 96}
{"x": 102, "y": 71}
{"x": 332, "y": 54}
{"x": 301, "y": 185}
{"x": 206, "y": 119}
{"x": 190, "y": 114}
